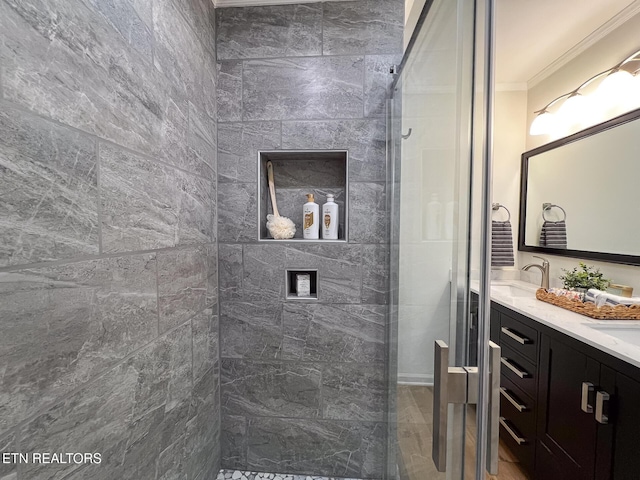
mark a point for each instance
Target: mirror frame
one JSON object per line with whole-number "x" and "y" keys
{"x": 582, "y": 254}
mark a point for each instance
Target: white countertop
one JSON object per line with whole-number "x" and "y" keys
{"x": 565, "y": 321}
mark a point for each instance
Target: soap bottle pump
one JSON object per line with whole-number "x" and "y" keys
{"x": 330, "y": 219}
{"x": 311, "y": 220}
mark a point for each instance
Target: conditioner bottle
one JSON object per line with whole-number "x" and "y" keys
{"x": 330, "y": 219}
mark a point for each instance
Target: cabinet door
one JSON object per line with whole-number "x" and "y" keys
{"x": 618, "y": 455}
{"x": 568, "y": 434}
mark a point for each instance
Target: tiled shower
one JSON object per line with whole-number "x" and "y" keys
{"x": 141, "y": 316}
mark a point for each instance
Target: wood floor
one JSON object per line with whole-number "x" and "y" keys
{"x": 415, "y": 424}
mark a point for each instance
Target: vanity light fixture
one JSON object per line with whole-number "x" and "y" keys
{"x": 619, "y": 91}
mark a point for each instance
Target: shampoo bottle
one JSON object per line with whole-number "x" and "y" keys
{"x": 311, "y": 220}
{"x": 330, "y": 219}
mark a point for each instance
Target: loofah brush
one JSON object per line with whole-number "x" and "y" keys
{"x": 279, "y": 227}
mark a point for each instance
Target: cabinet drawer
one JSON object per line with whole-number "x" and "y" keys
{"x": 518, "y": 408}
{"x": 523, "y": 451}
{"x": 519, "y": 337}
{"x": 519, "y": 370}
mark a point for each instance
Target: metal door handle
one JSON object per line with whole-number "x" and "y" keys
{"x": 493, "y": 432}
{"x": 460, "y": 385}
{"x": 510, "y": 333}
{"x": 602, "y": 403}
{"x": 587, "y": 397}
{"x": 440, "y": 405}
{"x": 518, "y": 439}
{"x": 521, "y": 373}
{"x": 521, "y": 407}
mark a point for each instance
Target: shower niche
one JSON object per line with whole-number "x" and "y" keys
{"x": 297, "y": 173}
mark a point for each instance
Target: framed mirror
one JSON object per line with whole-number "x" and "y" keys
{"x": 580, "y": 195}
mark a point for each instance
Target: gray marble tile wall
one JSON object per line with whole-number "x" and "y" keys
{"x": 108, "y": 238}
{"x": 303, "y": 384}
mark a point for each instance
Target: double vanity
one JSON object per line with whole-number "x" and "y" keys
{"x": 569, "y": 388}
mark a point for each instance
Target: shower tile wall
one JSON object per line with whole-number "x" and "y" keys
{"x": 108, "y": 254}
{"x": 303, "y": 384}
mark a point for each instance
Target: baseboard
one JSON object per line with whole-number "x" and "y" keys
{"x": 420, "y": 379}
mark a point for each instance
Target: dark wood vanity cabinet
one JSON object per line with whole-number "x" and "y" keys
{"x": 589, "y": 413}
{"x": 547, "y": 422}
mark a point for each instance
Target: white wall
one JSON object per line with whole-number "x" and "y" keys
{"x": 600, "y": 56}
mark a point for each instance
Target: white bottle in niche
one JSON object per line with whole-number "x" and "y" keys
{"x": 330, "y": 219}
{"x": 433, "y": 220}
{"x": 311, "y": 219}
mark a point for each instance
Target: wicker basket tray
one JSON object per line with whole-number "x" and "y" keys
{"x": 606, "y": 312}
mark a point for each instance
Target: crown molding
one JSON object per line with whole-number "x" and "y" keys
{"x": 597, "y": 35}
{"x": 257, "y": 3}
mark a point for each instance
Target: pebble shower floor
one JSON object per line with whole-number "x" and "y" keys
{"x": 240, "y": 475}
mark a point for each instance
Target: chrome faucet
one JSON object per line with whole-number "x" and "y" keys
{"x": 544, "y": 269}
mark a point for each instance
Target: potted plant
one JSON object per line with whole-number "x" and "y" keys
{"x": 583, "y": 278}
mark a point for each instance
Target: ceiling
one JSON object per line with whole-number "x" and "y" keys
{"x": 531, "y": 35}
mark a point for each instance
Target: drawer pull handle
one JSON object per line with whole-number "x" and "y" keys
{"x": 602, "y": 404}
{"x": 587, "y": 395}
{"x": 515, "y": 336}
{"x": 513, "y": 368}
{"x": 518, "y": 439}
{"x": 521, "y": 407}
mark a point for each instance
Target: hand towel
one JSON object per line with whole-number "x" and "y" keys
{"x": 553, "y": 234}
{"x": 501, "y": 244}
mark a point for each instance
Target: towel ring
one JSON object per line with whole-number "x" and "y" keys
{"x": 549, "y": 206}
{"x": 497, "y": 206}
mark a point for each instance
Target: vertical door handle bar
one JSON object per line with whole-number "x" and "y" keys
{"x": 587, "y": 395}
{"x": 493, "y": 430}
{"x": 440, "y": 405}
{"x": 602, "y": 402}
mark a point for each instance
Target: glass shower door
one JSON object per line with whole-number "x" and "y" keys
{"x": 431, "y": 161}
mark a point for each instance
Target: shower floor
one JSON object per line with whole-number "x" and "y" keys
{"x": 240, "y": 475}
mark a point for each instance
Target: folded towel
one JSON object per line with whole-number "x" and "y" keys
{"x": 501, "y": 244}
{"x": 553, "y": 234}
{"x": 601, "y": 298}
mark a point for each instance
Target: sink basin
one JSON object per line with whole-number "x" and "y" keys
{"x": 513, "y": 291}
{"x": 626, "y": 333}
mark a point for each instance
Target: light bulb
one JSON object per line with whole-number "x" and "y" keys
{"x": 543, "y": 124}
{"x": 574, "y": 113}
{"x": 613, "y": 94}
